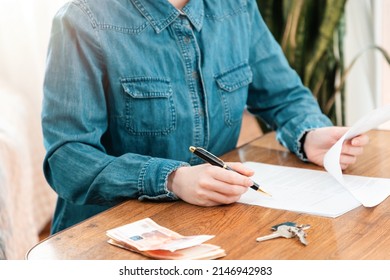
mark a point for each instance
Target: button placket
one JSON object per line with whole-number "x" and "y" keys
{"x": 191, "y": 56}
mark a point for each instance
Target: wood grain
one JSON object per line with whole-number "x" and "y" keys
{"x": 362, "y": 233}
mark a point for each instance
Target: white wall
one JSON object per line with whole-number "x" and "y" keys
{"x": 385, "y": 67}
{"x": 366, "y": 87}
{"x": 24, "y": 34}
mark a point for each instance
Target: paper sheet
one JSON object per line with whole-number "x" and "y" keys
{"x": 299, "y": 190}
{"x": 366, "y": 196}
{"x": 322, "y": 193}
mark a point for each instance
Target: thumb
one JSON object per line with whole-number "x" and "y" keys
{"x": 339, "y": 131}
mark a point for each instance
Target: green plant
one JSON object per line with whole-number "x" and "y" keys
{"x": 310, "y": 33}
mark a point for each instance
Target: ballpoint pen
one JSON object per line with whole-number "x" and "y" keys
{"x": 214, "y": 160}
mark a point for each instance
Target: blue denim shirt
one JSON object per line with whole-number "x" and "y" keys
{"x": 131, "y": 84}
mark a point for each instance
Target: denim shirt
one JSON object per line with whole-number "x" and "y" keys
{"x": 131, "y": 84}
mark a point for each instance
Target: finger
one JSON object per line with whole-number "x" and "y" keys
{"x": 360, "y": 140}
{"x": 347, "y": 159}
{"x": 230, "y": 177}
{"x": 219, "y": 198}
{"x": 218, "y": 186}
{"x": 343, "y": 166}
{"x": 352, "y": 150}
{"x": 212, "y": 198}
{"x": 338, "y": 131}
{"x": 241, "y": 168}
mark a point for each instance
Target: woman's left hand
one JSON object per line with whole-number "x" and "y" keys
{"x": 320, "y": 140}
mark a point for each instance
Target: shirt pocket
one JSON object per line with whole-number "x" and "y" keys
{"x": 233, "y": 89}
{"x": 149, "y": 106}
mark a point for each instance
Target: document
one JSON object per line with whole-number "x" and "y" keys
{"x": 372, "y": 194}
{"x": 325, "y": 193}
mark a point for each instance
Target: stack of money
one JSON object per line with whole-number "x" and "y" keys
{"x": 152, "y": 240}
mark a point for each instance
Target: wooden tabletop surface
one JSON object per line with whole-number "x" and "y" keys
{"x": 362, "y": 233}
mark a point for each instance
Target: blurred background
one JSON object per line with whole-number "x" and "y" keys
{"x": 339, "y": 48}
{"x": 26, "y": 201}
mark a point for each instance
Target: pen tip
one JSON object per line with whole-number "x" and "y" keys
{"x": 192, "y": 149}
{"x": 263, "y": 192}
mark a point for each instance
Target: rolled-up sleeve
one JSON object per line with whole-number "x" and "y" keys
{"x": 277, "y": 94}
{"x": 75, "y": 122}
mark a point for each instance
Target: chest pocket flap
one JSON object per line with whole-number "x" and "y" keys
{"x": 235, "y": 78}
{"x": 149, "y": 106}
{"x": 233, "y": 90}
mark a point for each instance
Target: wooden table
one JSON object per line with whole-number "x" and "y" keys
{"x": 363, "y": 233}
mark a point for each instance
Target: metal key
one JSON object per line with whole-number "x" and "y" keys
{"x": 281, "y": 231}
{"x": 299, "y": 231}
{"x": 291, "y": 224}
{"x": 300, "y": 234}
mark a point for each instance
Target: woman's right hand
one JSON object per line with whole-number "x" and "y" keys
{"x": 208, "y": 185}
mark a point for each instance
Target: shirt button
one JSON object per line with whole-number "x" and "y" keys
{"x": 187, "y": 40}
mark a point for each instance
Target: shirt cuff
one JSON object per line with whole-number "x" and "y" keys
{"x": 293, "y": 137}
{"x": 152, "y": 182}
{"x": 301, "y": 152}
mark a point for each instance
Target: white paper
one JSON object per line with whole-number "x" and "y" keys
{"x": 322, "y": 193}
{"x": 299, "y": 190}
{"x": 370, "y": 195}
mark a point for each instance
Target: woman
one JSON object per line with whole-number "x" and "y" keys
{"x": 130, "y": 85}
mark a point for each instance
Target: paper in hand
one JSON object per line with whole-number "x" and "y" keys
{"x": 332, "y": 157}
{"x": 328, "y": 194}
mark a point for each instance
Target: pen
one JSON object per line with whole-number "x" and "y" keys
{"x": 214, "y": 160}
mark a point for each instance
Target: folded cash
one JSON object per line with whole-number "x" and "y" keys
{"x": 152, "y": 240}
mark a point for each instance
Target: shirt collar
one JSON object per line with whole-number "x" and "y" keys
{"x": 161, "y": 13}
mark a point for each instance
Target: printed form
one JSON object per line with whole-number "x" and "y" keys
{"x": 321, "y": 193}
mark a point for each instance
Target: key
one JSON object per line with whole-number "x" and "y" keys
{"x": 299, "y": 232}
{"x": 291, "y": 224}
{"x": 281, "y": 231}
{"x": 301, "y": 235}
{"x": 303, "y": 227}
